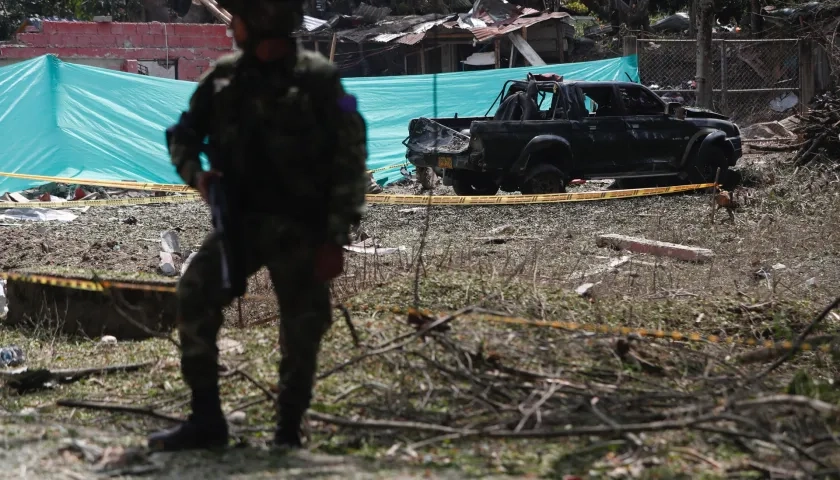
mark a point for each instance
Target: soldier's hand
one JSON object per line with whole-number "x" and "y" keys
{"x": 203, "y": 182}
{"x": 329, "y": 262}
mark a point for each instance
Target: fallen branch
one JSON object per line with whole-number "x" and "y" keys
{"x": 112, "y": 407}
{"x": 26, "y": 379}
{"x": 395, "y": 346}
{"x": 797, "y": 345}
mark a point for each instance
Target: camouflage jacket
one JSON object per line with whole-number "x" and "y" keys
{"x": 292, "y": 140}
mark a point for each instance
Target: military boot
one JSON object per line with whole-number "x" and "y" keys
{"x": 205, "y": 428}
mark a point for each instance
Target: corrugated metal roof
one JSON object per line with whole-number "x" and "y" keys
{"x": 310, "y": 24}
{"x": 484, "y": 34}
{"x": 387, "y": 37}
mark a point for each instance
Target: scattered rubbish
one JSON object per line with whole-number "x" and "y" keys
{"x": 502, "y": 239}
{"x": 373, "y": 187}
{"x": 820, "y": 128}
{"x": 51, "y": 198}
{"x": 766, "y": 131}
{"x": 503, "y": 230}
{"x": 14, "y": 197}
{"x": 12, "y": 356}
{"x": 237, "y": 418}
{"x": 169, "y": 242}
{"x": 413, "y": 210}
{"x": 25, "y": 379}
{"x": 186, "y": 263}
{"x": 811, "y": 282}
{"x": 584, "y": 290}
{"x": 653, "y": 247}
{"x": 230, "y": 346}
{"x": 37, "y": 215}
{"x": 167, "y": 264}
{"x": 784, "y": 102}
{"x": 371, "y": 246}
{"x": 4, "y": 308}
{"x": 130, "y": 221}
{"x": 108, "y": 340}
{"x": 111, "y": 461}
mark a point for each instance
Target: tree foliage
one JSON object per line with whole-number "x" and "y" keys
{"x": 14, "y": 12}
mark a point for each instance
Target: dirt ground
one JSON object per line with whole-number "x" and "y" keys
{"x": 776, "y": 266}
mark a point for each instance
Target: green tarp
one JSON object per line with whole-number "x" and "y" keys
{"x": 66, "y": 120}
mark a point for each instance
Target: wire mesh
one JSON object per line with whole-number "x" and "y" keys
{"x": 753, "y": 80}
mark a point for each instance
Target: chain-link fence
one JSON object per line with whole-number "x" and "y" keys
{"x": 753, "y": 80}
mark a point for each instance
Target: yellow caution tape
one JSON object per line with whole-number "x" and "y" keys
{"x": 113, "y": 202}
{"x": 88, "y": 285}
{"x": 128, "y": 184}
{"x": 102, "y": 285}
{"x": 389, "y": 167}
{"x": 530, "y": 199}
{"x": 603, "y": 329}
{"x": 385, "y": 199}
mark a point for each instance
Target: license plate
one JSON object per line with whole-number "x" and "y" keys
{"x": 445, "y": 162}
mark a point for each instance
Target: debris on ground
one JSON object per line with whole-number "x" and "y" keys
{"x": 820, "y": 128}
{"x": 653, "y": 247}
{"x": 37, "y": 215}
{"x": 11, "y": 356}
{"x": 371, "y": 246}
{"x": 767, "y": 131}
{"x": 584, "y": 290}
{"x": 4, "y": 307}
{"x": 169, "y": 242}
{"x": 167, "y": 264}
{"x": 108, "y": 340}
{"x": 28, "y": 379}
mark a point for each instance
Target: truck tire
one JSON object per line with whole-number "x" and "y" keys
{"x": 542, "y": 179}
{"x": 702, "y": 170}
{"x": 467, "y": 184}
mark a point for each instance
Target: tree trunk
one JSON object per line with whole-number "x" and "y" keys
{"x": 692, "y": 19}
{"x": 755, "y": 17}
{"x": 706, "y": 18}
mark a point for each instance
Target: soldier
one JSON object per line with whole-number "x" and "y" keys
{"x": 294, "y": 150}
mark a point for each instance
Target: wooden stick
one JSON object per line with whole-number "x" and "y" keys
{"x": 714, "y": 192}
{"x": 332, "y": 46}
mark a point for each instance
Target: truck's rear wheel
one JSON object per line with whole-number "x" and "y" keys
{"x": 543, "y": 179}
{"x": 468, "y": 184}
{"x": 703, "y": 170}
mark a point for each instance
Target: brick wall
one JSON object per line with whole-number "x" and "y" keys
{"x": 122, "y": 45}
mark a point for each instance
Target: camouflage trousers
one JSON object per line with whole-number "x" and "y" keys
{"x": 305, "y": 311}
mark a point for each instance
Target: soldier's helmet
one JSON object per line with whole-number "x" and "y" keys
{"x": 267, "y": 18}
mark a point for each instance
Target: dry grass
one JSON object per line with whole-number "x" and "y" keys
{"x": 484, "y": 374}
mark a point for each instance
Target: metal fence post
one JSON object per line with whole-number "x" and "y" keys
{"x": 806, "y": 73}
{"x": 630, "y": 46}
{"x": 724, "y": 74}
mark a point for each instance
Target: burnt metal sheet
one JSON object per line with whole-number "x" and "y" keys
{"x": 488, "y": 33}
{"x": 310, "y": 24}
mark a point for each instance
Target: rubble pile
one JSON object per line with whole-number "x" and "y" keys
{"x": 820, "y": 129}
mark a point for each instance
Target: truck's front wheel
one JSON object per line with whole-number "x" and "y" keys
{"x": 543, "y": 179}
{"x": 468, "y": 184}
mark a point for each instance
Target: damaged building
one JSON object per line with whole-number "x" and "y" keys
{"x": 492, "y": 34}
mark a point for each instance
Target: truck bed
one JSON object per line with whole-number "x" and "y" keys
{"x": 441, "y": 135}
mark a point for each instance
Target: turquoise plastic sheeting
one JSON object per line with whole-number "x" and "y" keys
{"x": 66, "y": 120}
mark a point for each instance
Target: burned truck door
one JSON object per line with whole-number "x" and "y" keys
{"x": 600, "y": 139}
{"x": 655, "y": 138}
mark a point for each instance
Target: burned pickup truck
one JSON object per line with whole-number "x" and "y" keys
{"x": 547, "y": 131}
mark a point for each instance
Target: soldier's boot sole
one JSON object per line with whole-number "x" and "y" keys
{"x": 191, "y": 435}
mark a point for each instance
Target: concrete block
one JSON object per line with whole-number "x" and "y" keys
{"x": 653, "y": 247}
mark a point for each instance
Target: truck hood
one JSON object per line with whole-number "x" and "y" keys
{"x": 700, "y": 113}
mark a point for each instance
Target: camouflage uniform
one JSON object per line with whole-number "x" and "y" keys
{"x": 297, "y": 150}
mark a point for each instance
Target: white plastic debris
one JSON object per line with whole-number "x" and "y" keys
{"x": 4, "y": 309}
{"x": 167, "y": 265}
{"x": 37, "y": 215}
{"x": 187, "y": 262}
{"x": 169, "y": 242}
{"x": 108, "y": 340}
{"x": 237, "y": 418}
